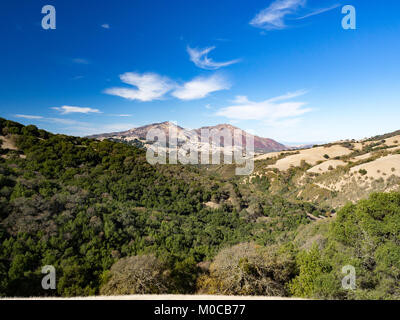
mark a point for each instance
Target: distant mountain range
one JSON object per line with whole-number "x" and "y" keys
{"x": 138, "y": 135}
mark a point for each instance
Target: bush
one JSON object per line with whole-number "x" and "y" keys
{"x": 136, "y": 275}
{"x": 248, "y": 269}
{"x": 30, "y": 130}
{"x": 311, "y": 268}
{"x": 363, "y": 172}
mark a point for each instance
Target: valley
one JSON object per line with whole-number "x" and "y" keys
{"x": 111, "y": 224}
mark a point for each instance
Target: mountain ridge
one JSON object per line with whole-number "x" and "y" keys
{"x": 262, "y": 145}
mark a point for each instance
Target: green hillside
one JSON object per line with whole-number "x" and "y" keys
{"x": 110, "y": 223}
{"x": 81, "y": 205}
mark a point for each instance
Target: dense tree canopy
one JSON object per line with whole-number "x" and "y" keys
{"x": 111, "y": 223}
{"x": 81, "y": 205}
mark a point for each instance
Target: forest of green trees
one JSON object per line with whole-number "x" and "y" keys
{"x": 110, "y": 223}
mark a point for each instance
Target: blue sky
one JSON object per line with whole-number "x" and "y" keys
{"x": 284, "y": 69}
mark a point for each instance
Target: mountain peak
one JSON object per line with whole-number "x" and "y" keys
{"x": 260, "y": 144}
{"x": 169, "y": 123}
{"x": 221, "y": 126}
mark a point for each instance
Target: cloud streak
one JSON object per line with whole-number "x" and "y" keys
{"x": 73, "y": 109}
{"x": 122, "y": 115}
{"x": 80, "y": 61}
{"x": 200, "y": 58}
{"x": 318, "y": 11}
{"x": 150, "y": 86}
{"x": 26, "y": 116}
{"x": 274, "y": 17}
{"x": 79, "y": 128}
{"x": 270, "y": 111}
{"x": 201, "y": 87}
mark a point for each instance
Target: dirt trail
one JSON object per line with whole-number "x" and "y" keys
{"x": 7, "y": 143}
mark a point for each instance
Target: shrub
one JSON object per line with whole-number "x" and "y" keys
{"x": 30, "y": 130}
{"x": 363, "y": 172}
{"x": 136, "y": 275}
{"x": 248, "y": 269}
{"x": 311, "y": 267}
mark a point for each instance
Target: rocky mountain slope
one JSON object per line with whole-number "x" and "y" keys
{"x": 261, "y": 145}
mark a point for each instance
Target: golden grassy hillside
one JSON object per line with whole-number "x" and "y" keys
{"x": 335, "y": 173}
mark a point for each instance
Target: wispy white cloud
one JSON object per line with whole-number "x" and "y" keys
{"x": 201, "y": 87}
{"x": 318, "y": 11}
{"x": 73, "y": 109}
{"x": 289, "y": 95}
{"x": 270, "y": 111}
{"x": 78, "y": 128}
{"x": 200, "y": 58}
{"x": 80, "y": 61}
{"x": 150, "y": 86}
{"x": 105, "y": 26}
{"x": 63, "y": 121}
{"x": 274, "y": 17}
{"x": 123, "y": 115}
{"x": 26, "y": 116}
